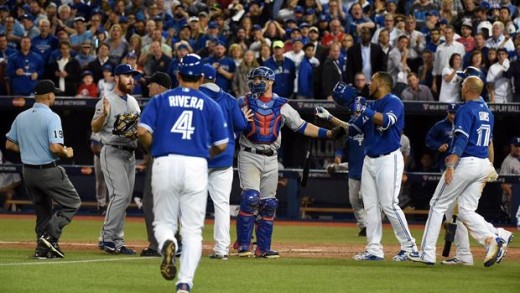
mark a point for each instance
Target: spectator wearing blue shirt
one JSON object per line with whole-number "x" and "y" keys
{"x": 24, "y": 69}
{"x": 85, "y": 55}
{"x": 45, "y": 42}
{"x": 181, "y": 51}
{"x": 224, "y": 65}
{"x": 284, "y": 69}
{"x": 305, "y": 74}
{"x": 29, "y": 28}
{"x": 81, "y": 33}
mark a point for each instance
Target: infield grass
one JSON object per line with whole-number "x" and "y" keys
{"x": 93, "y": 271}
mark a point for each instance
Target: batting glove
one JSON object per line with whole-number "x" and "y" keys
{"x": 323, "y": 114}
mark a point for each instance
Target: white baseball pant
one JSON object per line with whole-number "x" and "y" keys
{"x": 469, "y": 178}
{"x": 179, "y": 187}
{"x": 220, "y": 181}
{"x": 380, "y": 185}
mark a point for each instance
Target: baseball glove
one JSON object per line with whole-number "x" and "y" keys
{"x": 126, "y": 125}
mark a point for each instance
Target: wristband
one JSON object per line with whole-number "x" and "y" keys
{"x": 369, "y": 112}
{"x": 322, "y": 133}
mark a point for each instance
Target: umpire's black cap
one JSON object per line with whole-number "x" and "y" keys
{"x": 45, "y": 86}
{"x": 161, "y": 79}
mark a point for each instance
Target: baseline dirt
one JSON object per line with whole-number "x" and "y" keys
{"x": 291, "y": 250}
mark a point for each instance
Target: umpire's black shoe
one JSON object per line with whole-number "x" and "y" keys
{"x": 168, "y": 269}
{"x": 52, "y": 244}
{"x": 362, "y": 232}
{"x": 150, "y": 252}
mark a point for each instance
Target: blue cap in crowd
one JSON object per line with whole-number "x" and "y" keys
{"x": 132, "y": 55}
{"x": 107, "y": 67}
{"x": 123, "y": 19}
{"x": 4, "y": 8}
{"x": 433, "y": 12}
{"x": 310, "y": 11}
{"x": 324, "y": 17}
{"x": 515, "y": 141}
{"x": 298, "y": 9}
{"x": 86, "y": 72}
{"x": 209, "y": 72}
{"x": 27, "y": 16}
{"x": 212, "y": 24}
{"x": 257, "y": 27}
{"x": 191, "y": 65}
{"x": 125, "y": 69}
{"x": 452, "y": 108}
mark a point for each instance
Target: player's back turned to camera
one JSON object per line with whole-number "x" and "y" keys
{"x": 183, "y": 128}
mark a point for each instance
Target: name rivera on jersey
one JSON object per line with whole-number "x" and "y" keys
{"x": 186, "y": 102}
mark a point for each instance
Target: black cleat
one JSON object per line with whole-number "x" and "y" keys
{"x": 149, "y": 252}
{"x": 362, "y": 232}
{"x": 52, "y": 245}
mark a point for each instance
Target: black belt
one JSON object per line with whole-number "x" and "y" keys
{"x": 46, "y": 166}
{"x": 378, "y": 156}
{"x": 122, "y": 147}
{"x": 268, "y": 152}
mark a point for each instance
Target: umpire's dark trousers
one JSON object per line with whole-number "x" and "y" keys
{"x": 44, "y": 186}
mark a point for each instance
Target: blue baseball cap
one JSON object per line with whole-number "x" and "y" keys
{"x": 257, "y": 27}
{"x": 310, "y": 11}
{"x": 191, "y": 65}
{"x": 107, "y": 67}
{"x": 515, "y": 141}
{"x": 212, "y": 25}
{"x": 324, "y": 17}
{"x": 210, "y": 73}
{"x": 298, "y": 9}
{"x": 86, "y": 72}
{"x": 131, "y": 54}
{"x": 433, "y": 12}
{"x": 125, "y": 69}
{"x": 27, "y": 16}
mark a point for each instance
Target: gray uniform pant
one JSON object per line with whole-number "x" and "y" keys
{"x": 119, "y": 170}
{"x": 356, "y": 201}
{"x": 148, "y": 206}
{"x": 44, "y": 186}
{"x": 101, "y": 186}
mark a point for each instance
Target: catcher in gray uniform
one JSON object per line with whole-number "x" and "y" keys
{"x": 116, "y": 121}
{"x": 258, "y": 162}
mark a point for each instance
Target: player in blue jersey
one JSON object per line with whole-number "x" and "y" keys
{"x": 258, "y": 160}
{"x": 183, "y": 128}
{"x": 440, "y": 135}
{"x": 468, "y": 168}
{"x": 382, "y": 123}
{"x": 220, "y": 177}
{"x": 354, "y": 152}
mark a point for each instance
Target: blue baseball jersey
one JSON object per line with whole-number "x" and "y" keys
{"x": 440, "y": 133}
{"x": 475, "y": 121}
{"x": 285, "y": 73}
{"x": 236, "y": 121}
{"x": 228, "y": 65}
{"x": 354, "y": 149}
{"x": 380, "y": 140}
{"x": 184, "y": 121}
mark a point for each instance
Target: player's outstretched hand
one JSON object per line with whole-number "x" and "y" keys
{"x": 247, "y": 113}
{"x": 322, "y": 113}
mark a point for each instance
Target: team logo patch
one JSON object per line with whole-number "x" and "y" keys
{"x": 484, "y": 116}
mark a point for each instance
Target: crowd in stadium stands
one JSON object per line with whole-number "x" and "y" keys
{"x": 310, "y": 44}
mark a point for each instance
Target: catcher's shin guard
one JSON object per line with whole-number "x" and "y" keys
{"x": 246, "y": 217}
{"x": 264, "y": 230}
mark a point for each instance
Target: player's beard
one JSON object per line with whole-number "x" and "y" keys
{"x": 125, "y": 88}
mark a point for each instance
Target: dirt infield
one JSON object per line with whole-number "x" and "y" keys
{"x": 291, "y": 250}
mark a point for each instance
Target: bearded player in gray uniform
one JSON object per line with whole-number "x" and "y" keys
{"x": 117, "y": 156}
{"x": 258, "y": 162}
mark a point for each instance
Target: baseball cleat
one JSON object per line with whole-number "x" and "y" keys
{"x": 109, "y": 247}
{"x": 401, "y": 256}
{"x": 507, "y": 237}
{"x": 267, "y": 254}
{"x": 150, "y": 252}
{"x": 219, "y": 256}
{"x": 168, "y": 269}
{"x": 52, "y": 245}
{"x": 183, "y": 288}
{"x": 492, "y": 251}
{"x": 244, "y": 251}
{"x": 125, "y": 250}
{"x": 416, "y": 256}
{"x": 362, "y": 232}
{"x": 455, "y": 261}
{"x": 367, "y": 256}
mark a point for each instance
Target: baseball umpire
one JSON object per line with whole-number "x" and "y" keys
{"x": 37, "y": 135}
{"x": 382, "y": 124}
{"x": 258, "y": 159}
{"x": 116, "y": 120}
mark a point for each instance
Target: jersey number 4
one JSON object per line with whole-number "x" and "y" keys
{"x": 184, "y": 125}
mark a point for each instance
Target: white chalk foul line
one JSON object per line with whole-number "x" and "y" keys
{"x": 56, "y": 261}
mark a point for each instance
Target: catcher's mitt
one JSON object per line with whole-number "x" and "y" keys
{"x": 126, "y": 125}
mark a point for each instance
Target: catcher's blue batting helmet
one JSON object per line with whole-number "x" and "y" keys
{"x": 265, "y": 73}
{"x": 344, "y": 94}
{"x": 470, "y": 71}
{"x": 357, "y": 104}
